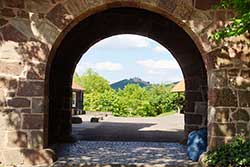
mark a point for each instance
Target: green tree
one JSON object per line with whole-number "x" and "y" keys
{"x": 92, "y": 82}
{"x": 133, "y": 100}
{"x": 240, "y": 23}
{"x": 162, "y": 99}
{"x": 133, "y": 97}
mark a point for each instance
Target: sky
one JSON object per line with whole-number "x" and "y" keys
{"x": 127, "y": 56}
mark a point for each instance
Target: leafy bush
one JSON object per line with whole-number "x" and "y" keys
{"x": 133, "y": 100}
{"x": 234, "y": 154}
{"x": 239, "y": 24}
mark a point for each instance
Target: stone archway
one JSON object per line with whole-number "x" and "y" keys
{"x": 32, "y": 33}
{"x": 124, "y": 21}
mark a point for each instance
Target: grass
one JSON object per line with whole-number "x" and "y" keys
{"x": 167, "y": 114}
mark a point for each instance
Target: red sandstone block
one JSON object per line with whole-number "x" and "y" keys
{"x": 221, "y": 129}
{"x": 244, "y": 98}
{"x": 12, "y": 34}
{"x": 32, "y": 88}
{"x": 168, "y": 5}
{"x": 3, "y": 22}
{"x": 14, "y": 3}
{"x": 222, "y": 97}
{"x": 7, "y": 12}
{"x": 32, "y": 121}
{"x": 18, "y": 102}
{"x": 59, "y": 16}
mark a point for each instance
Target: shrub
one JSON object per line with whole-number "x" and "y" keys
{"x": 133, "y": 100}
{"x": 233, "y": 154}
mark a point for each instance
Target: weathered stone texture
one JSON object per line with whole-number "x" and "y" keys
{"x": 201, "y": 108}
{"x": 241, "y": 115}
{"x": 26, "y": 110}
{"x": 36, "y": 138}
{"x": 11, "y": 68}
{"x": 31, "y": 88}
{"x": 19, "y": 102}
{"x": 8, "y": 51}
{"x": 1, "y": 4}
{"x": 59, "y": 16}
{"x": 169, "y": 5}
{"x": 8, "y": 157}
{"x": 23, "y": 26}
{"x": 151, "y": 2}
{"x": 36, "y": 72}
{"x": 32, "y": 121}
{"x": 38, "y": 105}
{"x": 222, "y": 97}
{"x": 214, "y": 142}
{"x": 3, "y": 98}
{"x": 12, "y": 34}
{"x": 75, "y": 7}
{"x": 23, "y": 14}
{"x": 3, "y": 22}
{"x": 239, "y": 78}
{"x": 221, "y": 129}
{"x": 38, "y": 6}
{"x": 244, "y": 97}
{"x": 183, "y": 11}
{"x": 7, "y": 12}
{"x": 218, "y": 79}
{"x": 193, "y": 119}
{"x": 14, "y": 3}
{"x": 242, "y": 129}
{"x": 204, "y": 5}
{"x": 17, "y": 139}
{"x": 8, "y": 83}
{"x": 2, "y": 141}
{"x": 93, "y": 3}
{"x": 34, "y": 53}
{"x": 220, "y": 115}
{"x": 36, "y": 157}
{"x": 47, "y": 31}
{"x": 9, "y": 119}
{"x": 219, "y": 58}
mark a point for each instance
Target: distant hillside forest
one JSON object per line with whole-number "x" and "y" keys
{"x": 130, "y": 97}
{"x": 123, "y": 83}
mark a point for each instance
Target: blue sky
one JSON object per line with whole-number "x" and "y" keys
{"x": 127, "y": 56}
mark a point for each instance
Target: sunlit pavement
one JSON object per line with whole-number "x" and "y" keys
{"x": 133, "y": 142}
{"x": 98, "y": 153}
{"x": 161, "y": 129}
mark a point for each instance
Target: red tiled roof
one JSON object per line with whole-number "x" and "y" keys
{"x": 76, "y": 86}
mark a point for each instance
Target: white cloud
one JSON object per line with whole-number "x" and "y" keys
{"x": 152, "y": 65}
{"x": 160, "y": 49}
{"x": 125, "y": 41}
{"x": 100, "y": 66}
{"x": 108, "y": 66}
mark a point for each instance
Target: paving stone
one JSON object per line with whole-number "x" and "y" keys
{"x": 84, "y": 153}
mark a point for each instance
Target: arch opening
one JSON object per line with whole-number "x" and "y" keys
{"x": 122, "y": 21}
{"x": 127, "y": 82}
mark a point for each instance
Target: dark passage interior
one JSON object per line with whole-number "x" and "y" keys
{"x": 123, "y": 21}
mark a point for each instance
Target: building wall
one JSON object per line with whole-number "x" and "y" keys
{"x": 78, "y": 109}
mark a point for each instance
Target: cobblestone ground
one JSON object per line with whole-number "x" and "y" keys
{"x": 118, "y": 154}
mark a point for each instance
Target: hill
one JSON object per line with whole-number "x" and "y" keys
{"x": 121, "y": 84}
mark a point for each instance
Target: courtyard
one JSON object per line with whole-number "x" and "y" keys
{"x": 126, "y": 141}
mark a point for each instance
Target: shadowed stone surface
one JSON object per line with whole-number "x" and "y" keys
{"x": 122, "y": 153}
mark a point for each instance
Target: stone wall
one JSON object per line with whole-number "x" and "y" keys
{"x": 31, "y": 31}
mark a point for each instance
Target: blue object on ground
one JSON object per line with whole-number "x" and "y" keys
{"x": 197, "y": 143}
